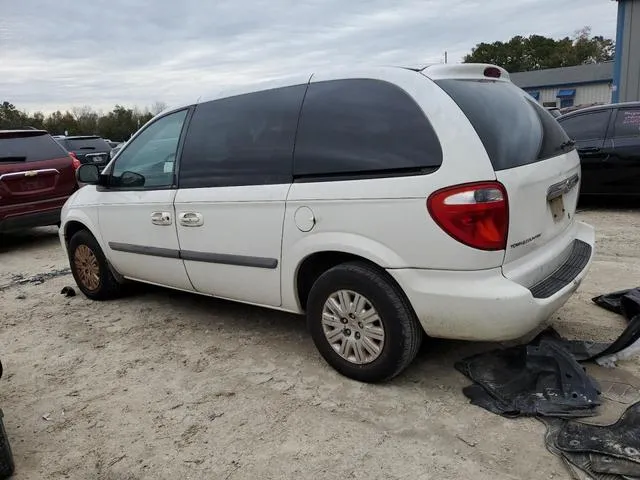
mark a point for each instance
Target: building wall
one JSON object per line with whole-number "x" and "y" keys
{"x": 629, "y": 59}
{"x": 585, "y": 94}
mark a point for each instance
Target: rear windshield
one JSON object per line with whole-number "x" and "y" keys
{"x": 88, "y": 144}
{"x": 27, "y": 147}
{"x": 514, "y": 129}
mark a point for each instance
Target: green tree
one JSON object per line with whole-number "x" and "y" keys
{"x": 11, "y": 117}
{"x": 521, "y": 54}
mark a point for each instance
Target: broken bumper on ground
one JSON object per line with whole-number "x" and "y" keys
{"x": 485, "y": 305}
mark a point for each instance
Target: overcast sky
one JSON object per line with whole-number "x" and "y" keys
{"x": 64, "y": 53}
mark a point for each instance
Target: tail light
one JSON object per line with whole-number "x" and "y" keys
{"x": 476, "y": 214}
{"x": 74, "y": 161}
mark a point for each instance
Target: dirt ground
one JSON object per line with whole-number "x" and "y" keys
{"x": 169, "y": 385}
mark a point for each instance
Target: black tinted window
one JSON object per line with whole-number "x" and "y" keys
{"x": 25, "y": 147}
{"x": 242, "y": 140}
{"x": 86, "y": 144}
{"x": 363, "y": 126}
{"x": 586, "y": 126}
{"x": 514, "y": 130}
{"x": 627, "y": 123}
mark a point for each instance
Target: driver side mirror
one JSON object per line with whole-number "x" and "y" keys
{"x": 88, "y": 173}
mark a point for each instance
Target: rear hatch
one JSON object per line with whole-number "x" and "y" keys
{"x": 531, "y": 156}
{"x": 88, "y": 149}
{"x": 33, "y": 167}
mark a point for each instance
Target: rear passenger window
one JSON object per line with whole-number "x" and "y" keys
{"x": 627, "y": 123}
{"x": 242, "y": 140}
{"x": 362, "y": 126}
{"x": 586, "y": 126}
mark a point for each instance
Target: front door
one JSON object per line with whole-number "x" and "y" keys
{"x": 136, "y": 214}
{"x": 235, "y": 173}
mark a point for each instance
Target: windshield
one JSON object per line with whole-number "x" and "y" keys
{"x": 514, "y": 129}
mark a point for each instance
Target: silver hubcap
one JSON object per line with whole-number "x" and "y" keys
{"x": 353, "y": 327}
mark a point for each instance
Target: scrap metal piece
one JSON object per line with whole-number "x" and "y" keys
{"x": 620, "y": 440}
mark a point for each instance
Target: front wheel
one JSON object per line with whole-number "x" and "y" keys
{"x": 361, "y": 323}
{"x": 90, "y": 268}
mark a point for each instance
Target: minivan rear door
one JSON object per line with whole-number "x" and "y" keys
{"x": 33, "y": 167}
{"x": 532, "y": 157}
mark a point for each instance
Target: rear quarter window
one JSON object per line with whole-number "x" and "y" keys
{"x": 627, "y": 123}
{"x": 362, "y": 126}
{"x": 26, "y": 147}
{"x": 513, "y": 128}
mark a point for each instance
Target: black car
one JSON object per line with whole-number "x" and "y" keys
{"x": 608, "y": 141}
{"x": 87, "y": 148}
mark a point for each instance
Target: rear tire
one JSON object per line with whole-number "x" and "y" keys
{"x": 90, "y": 268}
{"x": 362, "y": 324}
{"x": 7, "y": 466}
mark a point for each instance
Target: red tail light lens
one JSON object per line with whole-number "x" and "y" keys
{"x": 74, "y": 161}
{"x": 492, "y": 72}
{"x": 476, "y": 214}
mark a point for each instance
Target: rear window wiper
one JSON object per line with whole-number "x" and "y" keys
{"x": 87, "y": 148}
{"x": 13, "y": 158}
{"x": 565, "y": 145}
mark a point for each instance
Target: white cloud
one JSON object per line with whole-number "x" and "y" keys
{"x": 54, "y": 55}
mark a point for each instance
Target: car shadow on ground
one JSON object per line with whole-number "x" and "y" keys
{"x": 288, "y": 332}
{"x": 35, "y": 238}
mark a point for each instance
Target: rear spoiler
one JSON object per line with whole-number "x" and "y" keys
{"x": 466, "y": 71}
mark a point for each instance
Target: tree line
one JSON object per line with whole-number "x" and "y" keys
{"x": 117, "y": 125}
{"x": 535, "y": 52}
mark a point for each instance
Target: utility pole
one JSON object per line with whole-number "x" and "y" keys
{"x": 445, "y": 56}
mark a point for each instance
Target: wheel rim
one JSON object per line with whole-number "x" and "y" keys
{"x": 87, "y": 267}
{"x": 353, "y": 327}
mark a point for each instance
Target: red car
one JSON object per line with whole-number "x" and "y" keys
{"x": 36, "y": 177}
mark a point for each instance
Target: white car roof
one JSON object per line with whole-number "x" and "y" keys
{"x": 434, "y": 71}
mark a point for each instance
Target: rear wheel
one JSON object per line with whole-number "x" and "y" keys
{"x": 90, "y": 268}
{"x": 361, "y": 323}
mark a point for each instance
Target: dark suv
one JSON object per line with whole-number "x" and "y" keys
{"x": 36, "y": 178}
{"x": 608, "y": 142}
{"x": 87, "y": 148}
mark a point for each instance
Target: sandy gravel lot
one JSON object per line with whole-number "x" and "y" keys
{"x": 168, "y": 385}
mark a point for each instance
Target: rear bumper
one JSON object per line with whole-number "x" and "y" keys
{"x": 484, "y": 305}
{"x": 30, "y": 220}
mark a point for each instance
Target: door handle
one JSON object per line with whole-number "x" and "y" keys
{"x": 191, "y": 219}
{"x": 161, "y": 218}
{"x": 589, "y": 151}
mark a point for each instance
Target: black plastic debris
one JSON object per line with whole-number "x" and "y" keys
{"x": 542, "y": 378}
{"x": 68, "y": 292}
{"x": 620, "y": 440}
{"x": 576, "y": 444}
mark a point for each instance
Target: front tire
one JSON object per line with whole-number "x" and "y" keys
{"x": 90, "y": 268}
{"x": 362, "y": 324}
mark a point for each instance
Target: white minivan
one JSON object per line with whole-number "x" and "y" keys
{"x": 383, "y": 203}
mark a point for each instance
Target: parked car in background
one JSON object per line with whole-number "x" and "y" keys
{"x": 36, "y": 177}
{"x": 116, "y": 149}
{"x": 87, "y": 148}
{"x": 383, "y": 203}
{"x": 554, "y": 111}
{"x": 608, "y": 142}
